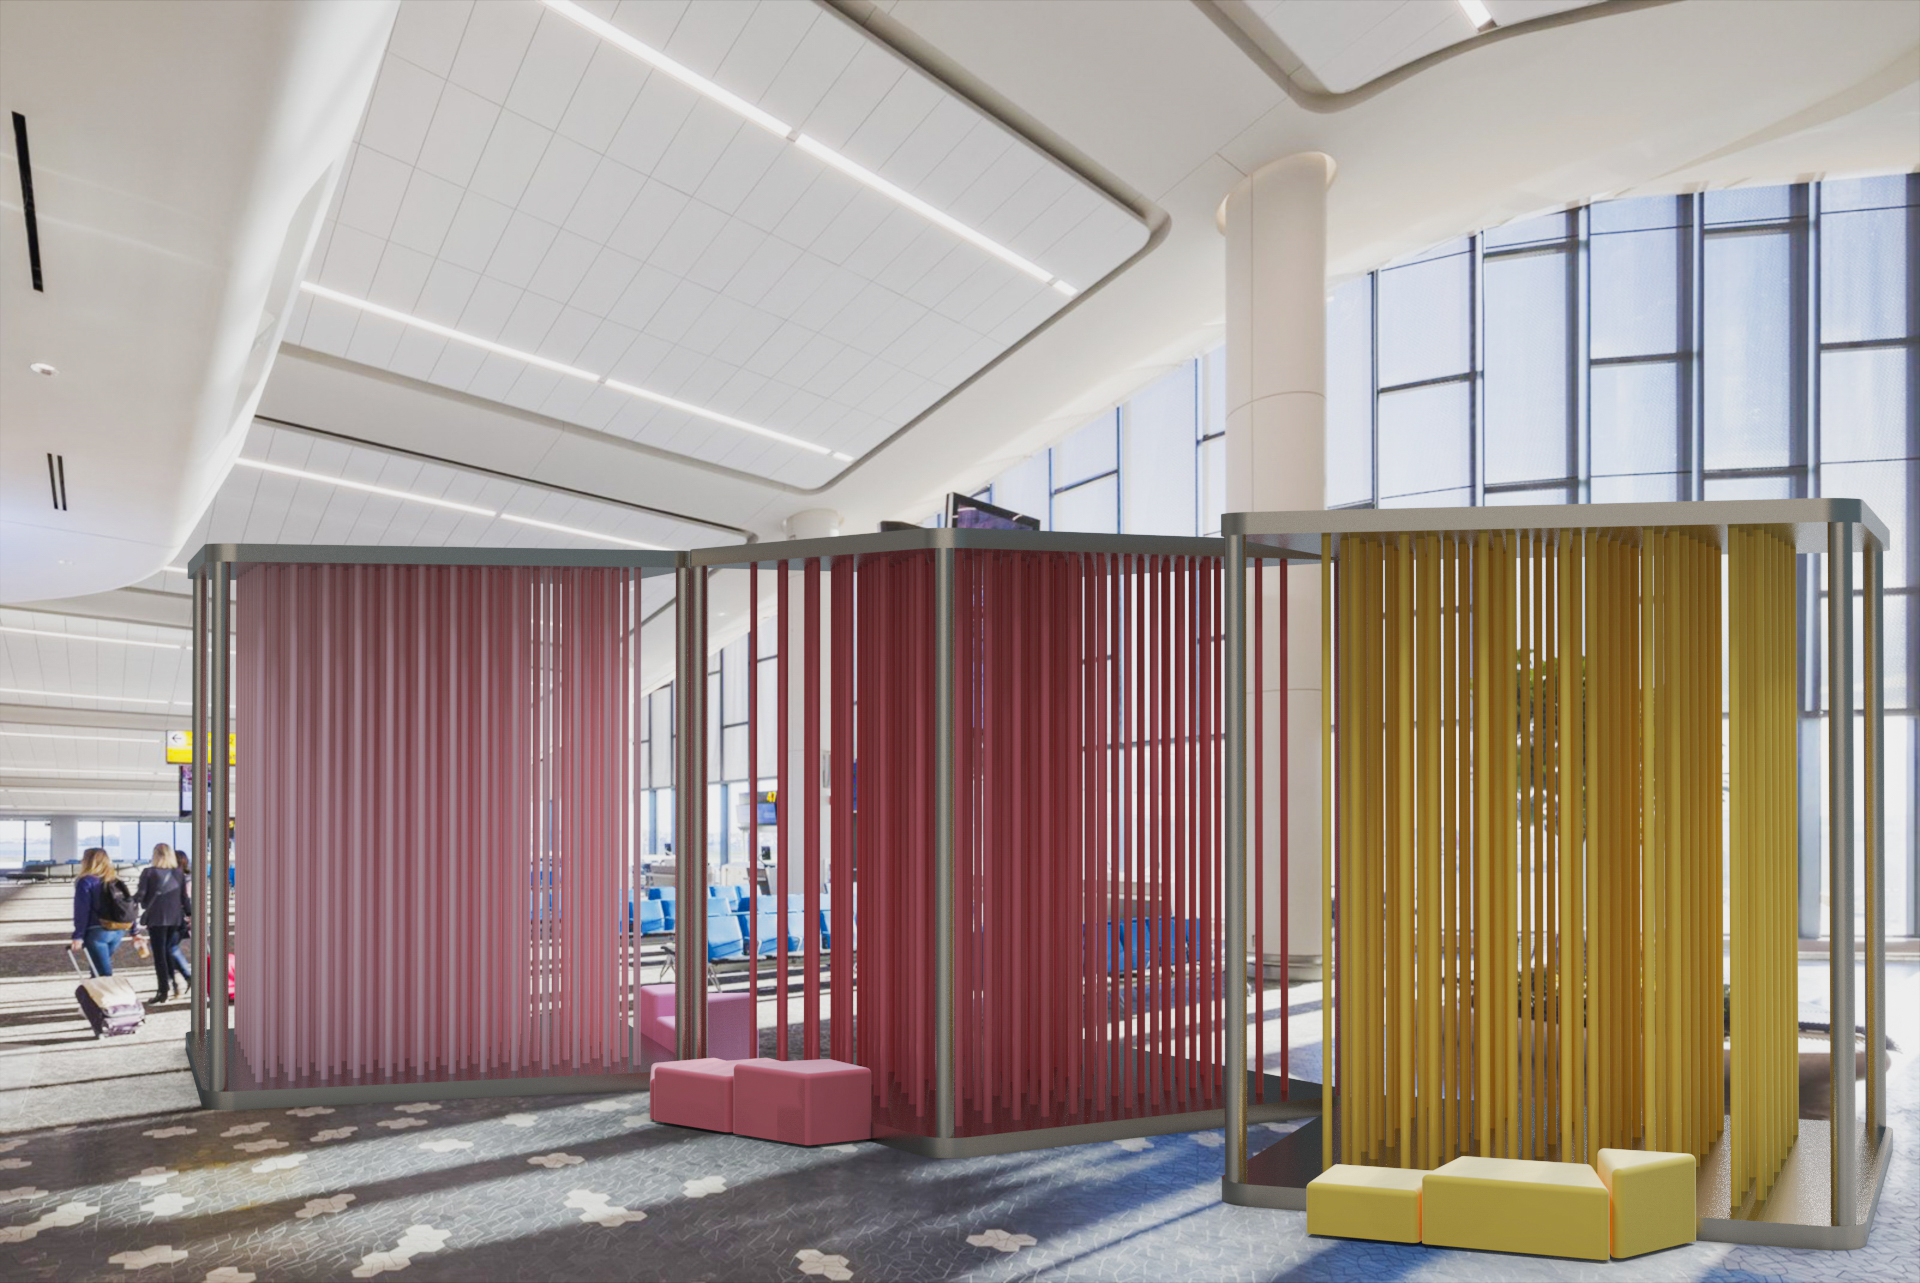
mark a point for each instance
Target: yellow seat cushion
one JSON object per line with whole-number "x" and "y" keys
{"x": 1516, "y": 1205}
{"x": 1348, "y": 1201}
{"x": 1653, "y": 1199}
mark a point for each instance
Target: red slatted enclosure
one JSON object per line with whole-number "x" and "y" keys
{"x": 1076, "y": 722}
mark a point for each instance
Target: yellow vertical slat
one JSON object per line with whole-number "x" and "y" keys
{"x": 1509, "y": 852}
{"x": 1427, "y": 844}
{"x": 1650, "y": 941}
{"x": 1482, "y": 855}
{"x": 1327, "y": 773}
{"x": 1402, "y": 611}
{"x": 1570, "y": 672}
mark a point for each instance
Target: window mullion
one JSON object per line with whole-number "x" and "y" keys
{"x": 1477, "y": 372}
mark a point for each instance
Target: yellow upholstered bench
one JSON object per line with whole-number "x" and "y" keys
{"x": 1515, "y": 1205}
{"x": 1653, "y": 1199}
{"x": 1383, "y": 1203}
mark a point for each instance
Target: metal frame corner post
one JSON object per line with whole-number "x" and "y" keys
{"x": 1874, "y": 623}
{"x": 944, "y": 1066}
{"x": 1845, "y": 1166}
{"x": 690, "y": 813}
{"x": 1235, "y": 624}
{"x": 199, "y": 994}
{"x": 210, "y": 750}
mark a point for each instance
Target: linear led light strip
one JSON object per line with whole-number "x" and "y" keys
{"x": 571, "y": 371}
{"x": 97, "y": 739}
{"x": 78, "y": 770}
{"x": 84, "y": 637}
{"x": 111, "y": 699}
{"x": 391, "y": 493}
{"x": 805, "y": 142}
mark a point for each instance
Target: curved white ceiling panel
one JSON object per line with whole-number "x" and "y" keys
{"x": 744, "y": 233}
{"x": 181, "y": 159}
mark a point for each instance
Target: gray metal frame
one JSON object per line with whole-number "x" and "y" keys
{"x": 1834, "y": 528}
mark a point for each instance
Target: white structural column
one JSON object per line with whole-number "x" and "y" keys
{"x": 1276, "y": 228}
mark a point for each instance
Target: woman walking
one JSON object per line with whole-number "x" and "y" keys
{"x": 166, "y": 906}
{"x": 103, "y": 910}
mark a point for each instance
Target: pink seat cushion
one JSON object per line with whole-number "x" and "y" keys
{"x": 693, "y": 1093}
{"x": 731, "y": 1034}
{"x": 803, "y": 1102}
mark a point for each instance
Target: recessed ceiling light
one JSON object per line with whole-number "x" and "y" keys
{"x": 84, "y": 637}
{"x": 1477, "y": 13}
{"x": 41, "y": 367}
{"x": 111, "y": 699}
{"x": 645, "y": 394}
{"x": 362, "y": 485}
{"x": 812, "y": 146}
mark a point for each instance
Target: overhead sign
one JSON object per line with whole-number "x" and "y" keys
{"x": 180, "y": 748}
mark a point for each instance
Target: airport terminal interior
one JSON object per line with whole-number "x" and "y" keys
{"x": 935, "y": 639}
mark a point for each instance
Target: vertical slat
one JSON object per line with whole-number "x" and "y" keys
{"x": 1402, "y": 739}
{"x": 1330, "y": 1080}
{"x": 1258, "y": 722}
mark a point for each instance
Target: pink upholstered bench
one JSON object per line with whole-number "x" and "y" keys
{"x": 730, "y": 1024}
{"x": 694, "y": 1093}
{"x": 803, "y": 1102}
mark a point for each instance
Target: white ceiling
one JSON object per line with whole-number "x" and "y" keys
{"x": 516, "y": 179}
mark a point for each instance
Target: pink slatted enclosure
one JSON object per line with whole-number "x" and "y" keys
{"x": 435, "y": 808}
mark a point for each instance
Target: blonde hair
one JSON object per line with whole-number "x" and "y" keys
{"x": 163, "y": 857}
{"x": 96, "y": 863}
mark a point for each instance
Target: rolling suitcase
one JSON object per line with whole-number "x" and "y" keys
{"x": 109, "y": 1003}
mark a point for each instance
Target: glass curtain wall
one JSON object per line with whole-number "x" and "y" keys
{"x": 1742, "y": 344}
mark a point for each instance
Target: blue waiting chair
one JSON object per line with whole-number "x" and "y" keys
{"x": 770, "y": 930}
{"x": 653, "y": 918}
{"x": 725, "y": 940}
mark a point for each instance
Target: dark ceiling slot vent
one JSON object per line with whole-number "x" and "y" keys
{"x": 26, "y": 201}
{"x": 57, "y": 480}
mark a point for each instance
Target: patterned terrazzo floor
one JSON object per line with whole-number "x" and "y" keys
{"x": 590, "y": 1188}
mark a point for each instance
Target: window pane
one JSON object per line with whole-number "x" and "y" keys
{"x": 733, "y": 753}
{"x": 1636, "y": 213}
{"x": 1157, "y": 459}
{"x": 1089, "y": 452}
{"x": 1213, "y": 390}
{"x": 39, "y": 840}
{"x": 1528, "y": 231}
{"x": 1526, "y": 354}
{"x": 1749, "y": 351}
{"x": 1636, "y": 294}
{"x": 1424, "y": 434}
{"x": 1749, "y": 204}
{"x": 733, "y": 681}
{"x": 1531, "y": 495}
{"x": 1092, "y": 508}
{"x": 1778, "y": 487}
{"x": 13, "y": 843}
{"x": 1662, "y": 487}
{"x": 1458, "y": 497}
{"x": 1350, "y": 395}
{"x": 1864, "y": 412}
{"x": 1863, "y": 276}
{"x": 1635, "y": 418}
{"x": 1423, "y": 320}
{"x": 1024, "y": 488}
{"x": 1213, "y": 484}
{"x": 1881, "y": 192}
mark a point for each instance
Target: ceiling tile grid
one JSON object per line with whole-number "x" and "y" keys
{"x": 52, "y": 672}
{"x": 519, "y": 181}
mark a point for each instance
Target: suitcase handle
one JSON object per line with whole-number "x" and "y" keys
{"x": 74, "y": 956}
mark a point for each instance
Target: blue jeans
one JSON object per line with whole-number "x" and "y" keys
{"x": 100, "y": 944}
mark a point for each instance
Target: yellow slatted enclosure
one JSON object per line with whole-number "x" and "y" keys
{"x": 1525, "y": 732}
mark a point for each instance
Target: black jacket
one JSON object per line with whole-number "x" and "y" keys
{"x": 163, "y": 897}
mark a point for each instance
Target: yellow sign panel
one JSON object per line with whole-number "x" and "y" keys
{"x": 180, "y": 748}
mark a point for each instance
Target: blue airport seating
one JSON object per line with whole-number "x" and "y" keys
{"x": 725, "y": 941}
{"x": 653, "y": 918}
{"x": 770, "y": 930}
